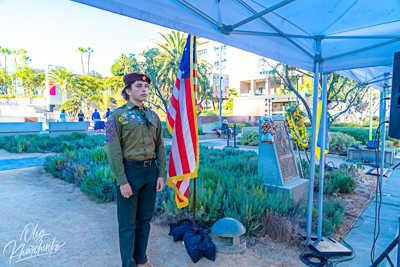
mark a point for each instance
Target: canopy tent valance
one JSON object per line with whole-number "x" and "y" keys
{"x": 340, "y": 34}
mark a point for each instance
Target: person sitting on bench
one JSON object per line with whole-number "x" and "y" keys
{"x": 224, "y": 129}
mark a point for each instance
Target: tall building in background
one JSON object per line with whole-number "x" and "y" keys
{"x": 245, "y": 75}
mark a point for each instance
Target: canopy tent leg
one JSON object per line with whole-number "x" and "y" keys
{"x": 313, "y": 145}
{"x": 383, "y": 134}
{"x": 323, "y": 128}
{"x": 370, "y": 113}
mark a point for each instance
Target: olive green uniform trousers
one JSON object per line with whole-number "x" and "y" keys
{"x": 135, "y": 213}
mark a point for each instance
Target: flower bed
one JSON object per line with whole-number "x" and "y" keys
{"x": 36, "y": 143}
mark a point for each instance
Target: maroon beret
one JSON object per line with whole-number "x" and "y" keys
{"x": 136, "y": 76}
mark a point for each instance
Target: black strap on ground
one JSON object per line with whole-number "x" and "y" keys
{"x": 313, "y": 260}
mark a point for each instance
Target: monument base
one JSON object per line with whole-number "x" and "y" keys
{"x": 298, "y": 189}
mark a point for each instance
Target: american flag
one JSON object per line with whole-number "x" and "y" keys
{"x": 182, "y": 124}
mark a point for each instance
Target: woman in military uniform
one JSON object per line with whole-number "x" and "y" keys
{"x": 136, "y": 153}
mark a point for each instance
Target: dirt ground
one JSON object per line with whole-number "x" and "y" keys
{"x": 87, "y": 234}
{"x": 87, "y": 231}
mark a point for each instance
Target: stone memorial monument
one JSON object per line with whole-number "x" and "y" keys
{"x": 276, "y": 162}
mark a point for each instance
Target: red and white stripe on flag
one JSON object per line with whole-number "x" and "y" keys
{"x": 182, "y": 124}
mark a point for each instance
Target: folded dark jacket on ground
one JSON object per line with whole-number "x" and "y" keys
{"x": 177, "y": 230}
{"x": 198, "y": 243}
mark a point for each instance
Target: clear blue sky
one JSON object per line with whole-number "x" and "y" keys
{"x": 52, "y": 30}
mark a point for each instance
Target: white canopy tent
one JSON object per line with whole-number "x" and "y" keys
{"x": 377, "y": 77}
{"x": 320, "y": 36}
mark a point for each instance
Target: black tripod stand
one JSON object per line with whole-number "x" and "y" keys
{"x": 396, "y": 166}
{"x": 385, "y": 254}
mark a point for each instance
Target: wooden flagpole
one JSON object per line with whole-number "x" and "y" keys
{"x": 194, "y": 200}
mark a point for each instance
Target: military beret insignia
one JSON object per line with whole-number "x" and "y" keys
{"x": 144, "y": 78}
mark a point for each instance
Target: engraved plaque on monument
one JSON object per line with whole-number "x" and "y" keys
{"x": 276, "y": 161}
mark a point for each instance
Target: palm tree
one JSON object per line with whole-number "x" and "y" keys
{"x": 82, "y": 50}
{"x": 170, "y": 59}
{"x": 64, "y": 78}
{"x": 6, "y": 53}
{"x": 89, "y": 50}
{"x": 173, "y": 46}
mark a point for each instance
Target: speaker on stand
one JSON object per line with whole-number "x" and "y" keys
{"x": 394, "y": 119}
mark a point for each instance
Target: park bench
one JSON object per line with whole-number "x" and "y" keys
{"x": 19, "y": 128}
{"x": 57, "y": 128}
{"x": 208, "y": 128}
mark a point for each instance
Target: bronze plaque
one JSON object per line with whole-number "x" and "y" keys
{"x": 284, "y": 151}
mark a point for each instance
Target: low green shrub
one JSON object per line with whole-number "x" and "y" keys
{"x": 340, "y": 142}
{"x": 35, "y": 143}
{"x": 359, "y": 134}
{"x": 228, "y": 185}
{"x": 207, "y": 113}
{"x": 375, "y": 123}
{"x": 332, "y": 217}
{"x": 165, "y": 131}
{"x": 250, "y": 138}
{"x": 346, "y": 124}
{"x": 87, "y": 168}
{"x": 337, "y": 180}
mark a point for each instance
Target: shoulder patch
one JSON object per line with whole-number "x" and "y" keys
{"x": 116, "y": 110}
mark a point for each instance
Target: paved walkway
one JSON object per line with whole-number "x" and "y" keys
{"x": 361, "y": 238}
{"x": 11, "y": 164}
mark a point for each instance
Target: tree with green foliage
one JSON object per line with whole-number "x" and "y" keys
{"x": 65, "y": 79}
{"x": 32, "y": 80}
{"x": 95, "y": 74}
{"x": 232, "y": 95}
{"x": 123, "y": 65}
{"x": 343, "y": 92}
{"x": 72, "y": 105}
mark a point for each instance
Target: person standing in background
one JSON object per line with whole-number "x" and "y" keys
{"x": 80, "y": 116}
{"x": 96, "y": 116}
{"x": 108, "y": 112}
{"x": 62, "y": 116}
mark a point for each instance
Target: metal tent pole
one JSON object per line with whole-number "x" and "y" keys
{"x": 370, "y": 113}
{"x": 313, "y": 145}
{"x": 383, "y": 133}
{"x": 322, "y": 155}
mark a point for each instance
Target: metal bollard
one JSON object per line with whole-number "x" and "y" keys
{"x": 227, "y": 139}
{"x": 234, "y": 135}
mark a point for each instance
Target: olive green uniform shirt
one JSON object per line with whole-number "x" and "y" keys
{"x": 130, "y": 138}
